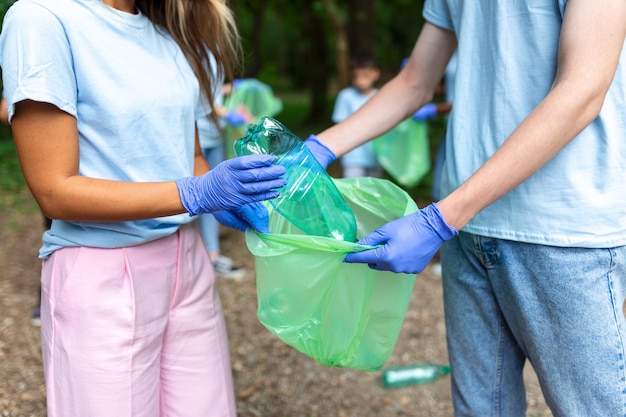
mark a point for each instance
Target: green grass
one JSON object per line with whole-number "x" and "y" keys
{"x": 14, "y": 195}
{"x": 11, "y": 178}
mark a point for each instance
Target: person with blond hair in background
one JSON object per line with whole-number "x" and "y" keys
{"x": 131, "y": 322}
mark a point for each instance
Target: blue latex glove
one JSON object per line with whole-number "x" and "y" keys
{"x": 231, "y": 184}
{"x": 253, "y": 215}
{"x": 427, "y": 112}
{"x": 235, "y": 119}
{"x": 323, "y": 155}
{"x": 408, "y": 243}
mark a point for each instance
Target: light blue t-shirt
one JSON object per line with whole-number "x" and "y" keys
{"x": 348, "y": 101}
{"x": 133, "y": 93}
{"x": 449, "y": 78}
{"x": 507, "y": 57}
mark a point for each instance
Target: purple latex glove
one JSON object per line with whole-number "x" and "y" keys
{"x": 427, "y": 112}
{"x": 253, "y": 215}
{"x": 235, "y": 119}
{"x": 408, "y": 243}
{"x": 323, "y": 155}
{"x": 231, "y": 184}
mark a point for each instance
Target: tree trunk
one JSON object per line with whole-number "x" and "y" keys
{"x": 256, "y": 63}
{"x": 317, "y": 67}
{"x": 342, "y": 51}
{"x": 362, "y": 26}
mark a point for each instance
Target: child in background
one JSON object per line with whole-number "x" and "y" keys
{"x": 360, "y": 162}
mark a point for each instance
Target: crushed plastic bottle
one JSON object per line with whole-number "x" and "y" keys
{"x": 310, "y": 200}
{"x": 414, "y": 374}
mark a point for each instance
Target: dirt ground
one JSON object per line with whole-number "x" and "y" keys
{"x": 271, "y": 378}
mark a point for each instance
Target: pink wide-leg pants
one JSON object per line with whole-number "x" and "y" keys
{"x": 135, "y": 332}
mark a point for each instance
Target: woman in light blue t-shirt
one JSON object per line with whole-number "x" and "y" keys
{"x": 103, "y": 98}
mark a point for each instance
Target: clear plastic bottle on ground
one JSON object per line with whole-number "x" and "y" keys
{"x": 414, "y": 374}
{"x": 310, "y": 200}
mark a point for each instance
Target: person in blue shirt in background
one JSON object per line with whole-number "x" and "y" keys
{"x": 361, "y": 161}
{"x": 211, "y": 138}
{"x": 532, "y": 220}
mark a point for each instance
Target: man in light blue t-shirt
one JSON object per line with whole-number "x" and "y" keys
{"x": 533, "y": 213}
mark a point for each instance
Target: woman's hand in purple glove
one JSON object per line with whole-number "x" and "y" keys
{"x": 232, "y": 184}
{"x": 408, "y": 243}
{"x": 253, "y": 215}
{"x": 323, "y": 155}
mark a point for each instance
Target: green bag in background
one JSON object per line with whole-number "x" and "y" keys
{"x": 404, "y": 152}
{"x": 339, "y": 314}
{"x": 258, "y": 99}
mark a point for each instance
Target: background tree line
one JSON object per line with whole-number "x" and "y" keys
{"x": 306, "y": 44}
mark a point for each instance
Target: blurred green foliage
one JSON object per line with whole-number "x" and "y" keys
{"x": 4, "y": 5}
{"x": 11, "y": 177}
{"x": 278, "y": 49}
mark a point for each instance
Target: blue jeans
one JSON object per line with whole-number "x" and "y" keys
{"x": 560, "y": 308}
{"x": 209, "y": 227}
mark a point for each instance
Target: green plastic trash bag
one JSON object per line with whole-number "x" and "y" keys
{"x": 404, "y": 152}
{"x": 339, "y": 314}
{"x": 310, "y": 200}
{"x": 257, "y": 98}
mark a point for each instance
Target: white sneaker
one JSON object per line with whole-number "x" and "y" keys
{"x": 224, "y": 267}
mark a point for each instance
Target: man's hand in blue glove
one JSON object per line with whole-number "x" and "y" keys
{"x": 426, "y": 112}
{"x": 323, "y": 155}
{"x": 253, "y": 215}
{"x": 408, "y": 243}
{"x": 231, "y": 184}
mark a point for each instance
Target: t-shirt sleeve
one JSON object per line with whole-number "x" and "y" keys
{"x": 36, "y": 59}
{"x": 438, "y": 13}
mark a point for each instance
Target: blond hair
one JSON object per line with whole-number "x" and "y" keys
{"x": 201, "y": 28}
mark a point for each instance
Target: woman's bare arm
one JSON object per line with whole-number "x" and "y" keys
{"x": 46, "y": 140}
